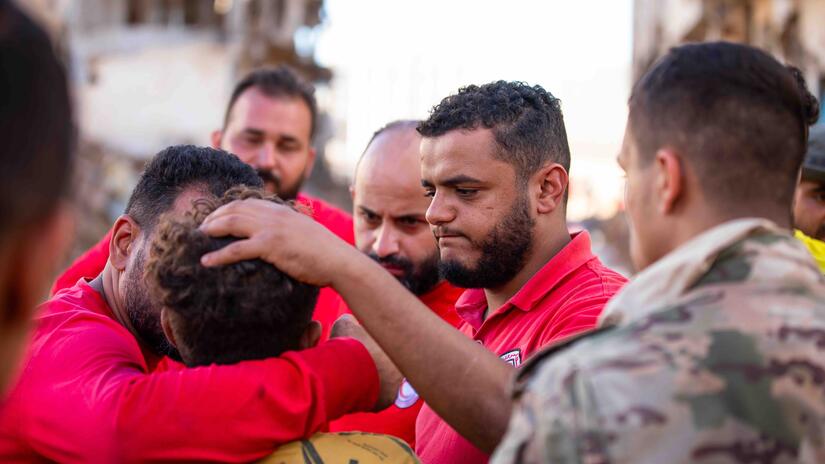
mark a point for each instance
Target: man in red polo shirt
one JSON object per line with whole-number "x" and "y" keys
{"x": 269, "y": 124}
{"x": 96, "y": 385}
{"x": 391, "y": 228}
{"x": 495, "y": 162}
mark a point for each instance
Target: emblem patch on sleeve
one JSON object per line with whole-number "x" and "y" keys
{"x": 512, "y": 357}
{"x": 407, "y": 396}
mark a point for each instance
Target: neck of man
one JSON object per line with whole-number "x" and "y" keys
{"x": 699, "y": 220}
{"x": 106, "y": 285}
{"x": 543, "y": 250}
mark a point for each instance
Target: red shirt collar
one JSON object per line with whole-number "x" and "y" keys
{"x": 473, "y": 302}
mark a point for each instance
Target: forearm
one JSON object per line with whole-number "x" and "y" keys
{"x": 467, "y": 386}
{"x": 242, "y": 412}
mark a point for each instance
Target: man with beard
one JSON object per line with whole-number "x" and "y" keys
{"x": 391, "y": 228}
{"x": 36, "y": 159}
{"x": 96, "y": 386}
{"x": 269, "y": 124}
{"x": 494, "y": 162}
{"x": 809, "y": 203}
{"x": 713, "y": 353}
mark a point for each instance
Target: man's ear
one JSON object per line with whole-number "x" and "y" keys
{"x": 352, "y": 192}
{"x": 552, "y": 185}
{"x": 215, "y": 137}
{"x": 670, "y": 179}
{"x": 166, "y": 325}
{"x": 125, "y": 233}
{"x": 311, "y": 335}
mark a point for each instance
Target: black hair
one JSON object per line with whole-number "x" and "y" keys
{"x": 179, "y": 167}
{"x": 526, "y": 122}
{"x": 738, "y": 116}
{"x": 36, "y": 127}
{"x": 277, "y": 82}
{"x": 224, "y": 314}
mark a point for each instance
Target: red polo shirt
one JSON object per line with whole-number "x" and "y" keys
{"x": 89, "y": 392}
{"x": 564, "y": 297}
{"x": 90, "y": 264}
{"x": 399, "y": 419}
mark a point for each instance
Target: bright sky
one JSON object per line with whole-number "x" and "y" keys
{"x": 396, "y": 59}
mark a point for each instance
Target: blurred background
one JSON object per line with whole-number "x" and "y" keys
{"x": 151, "y": 73}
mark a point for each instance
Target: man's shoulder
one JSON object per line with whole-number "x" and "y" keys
{"x": 76, "y": 313}
{"x": 333, "y": 218}
{"x": 686, "y": 370}
{"x": 592, "y": 284}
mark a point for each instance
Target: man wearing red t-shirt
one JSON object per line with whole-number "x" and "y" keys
{"x": 269, "y": 124}
{"x": 391, "y": 228}
{"x": 96, "y": 387}
{"x": 494, "y": 160}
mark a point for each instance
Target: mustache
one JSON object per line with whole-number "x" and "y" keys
{"x": 392, "y": 260}
{"x": 439, "y": 231}
{"x": 269, "y": 176}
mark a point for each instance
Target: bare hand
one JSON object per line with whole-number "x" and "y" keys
{"x": 289, "y": 240}
{"x": 388, "y": 375}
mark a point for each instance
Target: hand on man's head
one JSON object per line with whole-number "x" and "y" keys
{"x": 289, "y": 240}
{"x": 389, "y": 376}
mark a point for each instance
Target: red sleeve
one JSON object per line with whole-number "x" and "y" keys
{"x": 86, "y": 396}
{"x": 88, "y": 265}
{"x": 575, "y": 317}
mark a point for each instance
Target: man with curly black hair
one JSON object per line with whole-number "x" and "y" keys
{"x": 494, "y": 159}
{"x": 224, "y": 315}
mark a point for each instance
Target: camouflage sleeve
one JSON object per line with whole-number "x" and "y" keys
{"x": 555, "y": 419}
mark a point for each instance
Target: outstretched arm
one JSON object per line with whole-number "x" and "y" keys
{"x": 460, "y": 380}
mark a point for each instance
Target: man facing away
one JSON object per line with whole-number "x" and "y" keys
{"x": 494, "y": 160}
{"x": 714, "y": 352}
{"x": 97, "y": 383}
{"x": 36, "y": 159}
{"x": 391, "y": 228}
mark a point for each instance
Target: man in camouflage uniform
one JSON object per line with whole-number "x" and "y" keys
{"x": 715, "y": 352}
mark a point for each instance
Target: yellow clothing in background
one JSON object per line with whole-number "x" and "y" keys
{"x": 816, "y": 247}
{"x": 345, "y": 448}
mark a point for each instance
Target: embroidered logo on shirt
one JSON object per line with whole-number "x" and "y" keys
{"x": 407, "y": 396}
{"x": 513, "y": 357}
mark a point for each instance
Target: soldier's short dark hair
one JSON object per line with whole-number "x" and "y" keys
{"x": 738, "y": 116}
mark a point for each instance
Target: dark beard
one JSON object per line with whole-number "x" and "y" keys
{"x": 503, "y": 252}
{"x": 418, "y": 279}
{"x": 143, "y": 316}
{"x": 280, "y": 189}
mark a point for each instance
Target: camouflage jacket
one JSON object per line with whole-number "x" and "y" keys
{"x": 714, "y": 354}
